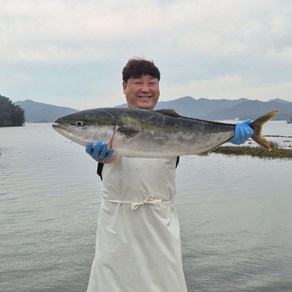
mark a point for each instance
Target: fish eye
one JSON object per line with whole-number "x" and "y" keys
{"x": 79, "y": 123}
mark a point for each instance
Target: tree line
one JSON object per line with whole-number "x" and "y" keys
{"x": 10, "y": 114}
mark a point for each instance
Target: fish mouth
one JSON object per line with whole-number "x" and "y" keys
{"x": 60, "y": 127}
{"x": 68, "y": 131}
{"x": 56, "y": 125}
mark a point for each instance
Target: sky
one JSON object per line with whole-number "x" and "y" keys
{"x": 71, "y": 52}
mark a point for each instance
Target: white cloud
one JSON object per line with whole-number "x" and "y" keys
{"x": 284, "y": 54}
{"x": 215, "y": 88}
{"x": 229, "y": 87}
{"x": 72, "y": 30}
{"x": 205, "y": 47}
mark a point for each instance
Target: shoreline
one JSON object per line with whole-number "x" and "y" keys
{"x": 275, "y": 153}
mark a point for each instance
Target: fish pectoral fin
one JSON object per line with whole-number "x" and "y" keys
{"x": 168, "y": 112}
{"x": 206, "y": 153}
{"x": 129, "y": 132}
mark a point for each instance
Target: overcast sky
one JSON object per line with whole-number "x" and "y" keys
{"x": 71, "y": 52}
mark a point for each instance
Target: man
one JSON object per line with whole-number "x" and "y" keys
{"x": 138, "y": 245}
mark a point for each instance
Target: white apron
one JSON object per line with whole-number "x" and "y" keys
{"x": 138, "y": 246}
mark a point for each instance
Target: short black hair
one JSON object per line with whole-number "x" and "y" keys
{"x": 135, "y": 68}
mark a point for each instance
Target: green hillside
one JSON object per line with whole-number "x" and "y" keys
{"x": 10, "y": 114}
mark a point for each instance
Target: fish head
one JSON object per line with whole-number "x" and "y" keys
{"x": 87, "y": 126}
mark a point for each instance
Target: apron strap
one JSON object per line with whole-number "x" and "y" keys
{"x": 150, "y": 200}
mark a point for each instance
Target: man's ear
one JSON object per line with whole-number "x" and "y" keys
{"x": 124, "y": 86}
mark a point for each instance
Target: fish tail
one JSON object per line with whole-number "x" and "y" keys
{"x": 257, "y": 125}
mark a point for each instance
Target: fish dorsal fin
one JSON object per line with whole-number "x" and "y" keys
{"x": 168, "y": 112}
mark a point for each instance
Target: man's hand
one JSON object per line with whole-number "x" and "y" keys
{"x": 100, "y": 151}
{"x": 242, "y": 132}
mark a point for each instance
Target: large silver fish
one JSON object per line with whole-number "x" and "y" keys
{"x": 146, "y": 133}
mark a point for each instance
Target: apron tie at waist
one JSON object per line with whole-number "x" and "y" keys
{"x": 150, "y": 200}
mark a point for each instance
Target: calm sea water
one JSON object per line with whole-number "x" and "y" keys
{"x": 235, "y": 215}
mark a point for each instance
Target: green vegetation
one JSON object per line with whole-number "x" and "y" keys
{"x": 10, "y": 114}
{"x": 255, "y": 151}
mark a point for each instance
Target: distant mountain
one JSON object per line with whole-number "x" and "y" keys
{"x": 36, "y": 112}
{"x": 202, "y": 108}
{"x": 252, "y": 109}
{"x": 199, "y": 108}
{"x": 223, "y": 109}
{"x": 280, "y": 100}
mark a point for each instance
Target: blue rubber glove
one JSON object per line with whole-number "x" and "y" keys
{"x": 242, "y": 132}
{"x": 99, "y": 151}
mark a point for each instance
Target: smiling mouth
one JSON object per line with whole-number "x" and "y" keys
{"x": 144, "y": 97}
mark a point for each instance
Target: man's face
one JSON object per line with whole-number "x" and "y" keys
{"x": 142, "y": 92}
